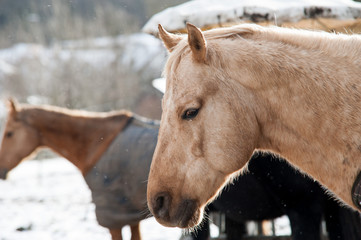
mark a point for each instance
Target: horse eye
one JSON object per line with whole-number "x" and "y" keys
{"x": 189, "y": 114}
{"x": 9, "y": 134}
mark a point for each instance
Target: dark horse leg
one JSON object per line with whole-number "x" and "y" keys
{"x": 342, "y": 223}
{"x": 305, "y": 222}
{"x": 235, "y": 229}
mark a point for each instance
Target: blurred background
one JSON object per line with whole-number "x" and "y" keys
{"x": 79, "y": 54}
{"x": 82, "y": 54}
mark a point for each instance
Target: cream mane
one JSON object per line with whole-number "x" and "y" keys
{"x": 299, "y": 37}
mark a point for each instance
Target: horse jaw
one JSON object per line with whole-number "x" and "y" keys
{"x": 183, "y": 208}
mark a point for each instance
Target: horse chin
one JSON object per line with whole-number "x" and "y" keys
{"x": 3, "y": 173}
{"x": 187, "y": 215}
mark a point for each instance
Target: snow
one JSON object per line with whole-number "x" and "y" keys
{"x": 144, "y": 50}
{"x": 3, "y": 114}
{"x": 159, "y": 83}
{"x": 5, "y": 68}
{"x": 139, "y": 52}
{"x": 48, "y": 199}
{"x": 2, "y": 110}
{"x": 210, "y": 12}
{"x": 139, "y": 49}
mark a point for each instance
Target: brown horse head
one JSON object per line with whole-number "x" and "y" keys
{"x": 19, "y": 140}
{"x": 194, "y": 158}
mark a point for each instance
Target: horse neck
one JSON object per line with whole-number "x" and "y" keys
{"x": 307, "y": 106}
{"x": 80, "y": 139}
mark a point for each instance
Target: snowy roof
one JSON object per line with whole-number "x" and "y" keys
{"x": 203, "y": 13}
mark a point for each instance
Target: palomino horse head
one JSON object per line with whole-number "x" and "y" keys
{"x": 200, "y": 142}
{"x": 19, "y": 141}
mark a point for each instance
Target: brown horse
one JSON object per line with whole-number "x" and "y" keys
{"x": 85, "y": 139}
{"x": 230, "y": 91}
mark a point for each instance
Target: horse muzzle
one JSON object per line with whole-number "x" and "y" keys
{"x": 3, "y": 173}
{"x": 186, "y": 214}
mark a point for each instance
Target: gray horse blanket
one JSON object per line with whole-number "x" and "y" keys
{"x": 118, "y": 181}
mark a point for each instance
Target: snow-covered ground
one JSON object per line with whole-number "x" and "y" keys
{"x": 49, "y": 199}
{"x": 211, "y": 12}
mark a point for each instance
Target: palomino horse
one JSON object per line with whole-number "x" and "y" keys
{"x": 232, "y": 90}
{"x": 103, "y": 146}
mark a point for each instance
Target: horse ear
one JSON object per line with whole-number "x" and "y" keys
{"x": 12, "y": 108}
{"x": 169, "y": 40}
{"x": 197, "y": 42}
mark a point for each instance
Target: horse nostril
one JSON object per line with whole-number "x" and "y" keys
{"x": 161, "y": 205}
